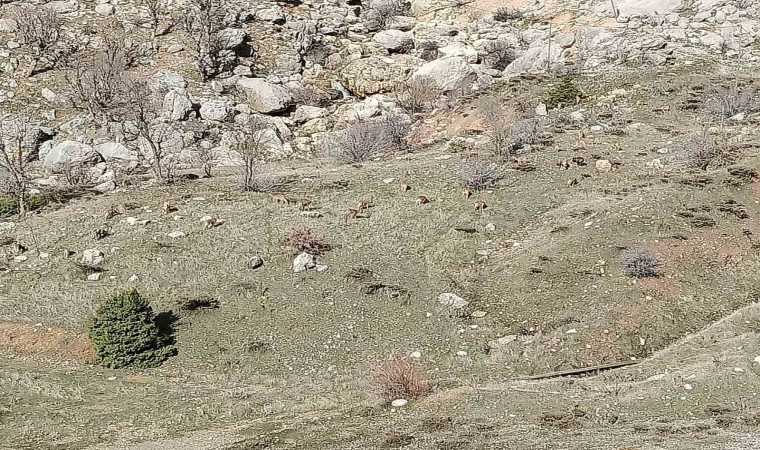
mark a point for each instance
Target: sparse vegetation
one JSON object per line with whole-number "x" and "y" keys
{"x": 478, "y": 175}
{"x": 41, "y": 29}
{"x": 505, "y": 14}
{"x": 360, "y": 142}
{"x": 256, "y": 175}
{"x": 705, "y": 150}
{"x": 562, "y": 92}
{"x": 640, "y": 263}
{"x": 500, "y": 55}
{"x": 417, "y": 95}
{"x": 725, "y": 102}
{"x": 204, "y": 23}
{"x": 399, "y": 378}
{"x": 305, "y": 239}
{"x": 381, "y": 12}
{"x": 126, "y": 333}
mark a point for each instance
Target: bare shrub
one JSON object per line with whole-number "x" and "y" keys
{"x": 398, "y": 378}
{"x": 157, "y": 13}
{"x": 726, "y": 102}
{"x": 75, "y": 173}
{"x": 505, "y": 14}
{"x": 15, "y": 169}
{"x": 500, "y": 54}
{"x": 360, "y": 142}
{"x": 498, "y": 122}
{"x": 97, "y": 83}
{"x": 152, "y": 139}
{"x": 255, "y": 175}
{"x": 398, "y": 128}
{"x": 640, "y": 263}
{"x": 381, "y": 12}
{"x": 703, "y": 150}
{"x": 305, "y": 239}
{"x": 207, "y": 158}
{"x": 41, "y": 29}
{"x": 203, "y": 22}
{"x": 477, "y": 175}
{"x": 417, "y": 95}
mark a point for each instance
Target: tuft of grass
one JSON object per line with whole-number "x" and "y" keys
{"x": 398, "y": 378}
{"x": 640, "y": 263}
{"x": 477, "y": 175}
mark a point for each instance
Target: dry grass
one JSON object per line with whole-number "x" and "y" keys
{"x": 398, "y": 378}
{"x": 305, "y": 239}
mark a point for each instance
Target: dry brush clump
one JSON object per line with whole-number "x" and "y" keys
{"x": 381, "y": 12}
{"x": 705, "y": 150}
{"x": 725, "y": 102}
{"x": 505, "y": 14}
{"x": 500, "y": 54}
{"x": 478, "y": 175}
{"x": 305, "y": 239}
{"x": 418, "y": 94}
{"x": 365, "y": 140}
{"x": 40, "y": 28}
{"x": 255, "y": 175}
{"x": 398, "y": 378}
{"x": 640, "y": 263}
{"x": 204, "y": 22}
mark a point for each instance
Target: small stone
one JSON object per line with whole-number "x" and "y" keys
{"x": 415, "y": 355}
{"x": 44, "y": 255}
{"x": 452, "y": 300}
{"x": 111, "y": 378}
{"x": 176, "y": 234}
{"x": 688, "y": 387}
{"x": 304, "y": 262}
{"x": 479, "y": 314}
{"x": 255, "y": 262}
{"x": 757, "y": 359}
{"x": 93, "y": 276}
{"x": 104, "y": 9}
{"x": 461, "y": 353}
{"x": 603, "y": 165}
{"x": 541, "y": 110}
{"x": 20, "y": 258}
{"x": 389, "y": 180}
{"x": 321, "y": 267}
{"x": 399, "y": 402}
{"x": 7, "y": 226}
{"x": 311, "y": 214}
{"x": 133, "y": 279}
{"x": 738, "y": 369}
{"x": 92, "y": 257}
{"x": 490, "y": 227}
{"x": 571, "y": 331}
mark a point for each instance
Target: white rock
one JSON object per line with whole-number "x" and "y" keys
{"x": 571, "y": 331}
{"x": 265, "y": 97}
{"x": 321, "y": 267}
{"x": 94, "y": 276}
{"x": 541, "y": 110}
{"x": 7, "y": 226}
{"x": 688, "y": 387}
{"x": 603, "y": 165}
{"x": 20, "y": 258}
{"x": 44, "y": 255}
{"x": 104, "y": 9}
{"x": 449, "y": 74}
{"x": 452, "y": 300}
{"x": 461, "y": 353}
{"x": 176, "y": 234}
{"x": 92, "y": 257}
{"x": 304, "y": 262}
{"x": 415, "y": 355}
{"x": 399, "y": 402}
{"x": 490, "y": 227}
{"x": 134, "y": 279}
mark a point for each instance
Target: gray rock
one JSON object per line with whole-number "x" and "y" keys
{"x": 460, "y": 49}
{"x": 402, "y": 23}
{"x": 452, "y": 300}
{"x": 273, "y": 15}
{"x": 8, "y": 25}
{"x": 104, "y": 9}
{"x": 165, "y": 80}
{"x": 106, "y": 186}
{"x": 255, "y": 262}
{"x": 395, "y": 40}
{"x": 232, "y": 37}
{"x": 114, "y": 150}
{"x": 265, "y": 97}
{"x": 449, "y": 74}
{"x": 92, "y": 257}
{"x": 306, "y": 113}
{"x": 69, "y": 152}
{"x": 216, "y": 110}
{"x": 177, "y": 104}
{"x": 377, "y": 74}
{"x": 304, "y": 262}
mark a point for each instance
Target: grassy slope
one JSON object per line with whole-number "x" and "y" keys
{"x": 323, "y": 332}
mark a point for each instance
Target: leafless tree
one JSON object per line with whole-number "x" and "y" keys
{"x": 498, "y": 122}
{"x": 417, "y": 95}
{"x": 145, "y": 131}
{"x": 255, "y": 175}
{"x": 157, "y": 14}
{"x": 725, "y": 102}
{"x": 203, "y": 22}
{"x": 360, "y": 142}
{"x": 14, "y": 162}
{"x": 480, "y": 174}
{"x": 41, "y": 29}
{"x": 97, "y": 83}
{"x": 398, "y": 128}
{"x": 381, "y": 12}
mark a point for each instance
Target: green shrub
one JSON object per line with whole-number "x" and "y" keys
{"x": 125, "y": 333}
{"x": 9, "y": 204}
{"x": 563, "y": 91}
